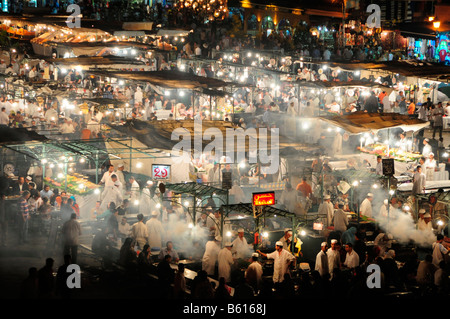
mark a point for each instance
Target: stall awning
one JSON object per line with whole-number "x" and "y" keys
{"x": 247, "y": 209}
{"x": 361, "y": 122}
{"x": 195, "y": 189}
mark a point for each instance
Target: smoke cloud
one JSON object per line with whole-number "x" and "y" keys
{"x": 403, "y": 228}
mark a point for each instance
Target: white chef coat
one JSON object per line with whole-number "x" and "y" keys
{"x": 225, "y": 260}
{"x": 111, "y": 194}
{"x": 241, "y": 248}
{"x": 254, "y": 274}
{"x": 322, "y": 263}
{"x": 366, "y": 208}
{"x": 427, "y": 149}
{"x": 340, "y": 220}
{"x": 210, "y": 256}
{"x": 334, "y": 260}
{"x": 327, "y": 209}
{"x": 155, "y": 232}
{"x": 280, "y": 266}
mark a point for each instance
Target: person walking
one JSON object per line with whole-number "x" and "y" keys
{"x": 438, "y": 123}
{"x": 23, "y": 217}
{"x": 71, "y": 232}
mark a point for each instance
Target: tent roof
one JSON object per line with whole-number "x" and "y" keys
{"x": 415, "y": 68}
{"x": 361, "y": 122}
{"x": 158, "y": 133}
{"x": 336, "y": 84}
{"x": 170, "y": 79}
{"x": 95, "y": 60}
{"x": 247, "y": 209}
{"x": 19, "y": 135}
{"x": 195, "y": 189}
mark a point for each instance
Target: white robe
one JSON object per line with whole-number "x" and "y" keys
{"x": 280, "y": 266}
{"x": 210, "y": 256}
{"x": 155, "y": 232}
{"x": 225, "y": 260}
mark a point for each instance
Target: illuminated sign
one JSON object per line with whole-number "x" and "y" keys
{"x": 160, "y": 171}
{"x": 263, "y": 199}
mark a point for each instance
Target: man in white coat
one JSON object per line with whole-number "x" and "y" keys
{"x": 366, "y": 206}
{"x": 334, "y": 257}
{"x": 106, "y": 179}
{"x": 419, "y": 181}
{"x": 322, "y": 260}
{"x": 225, "y": 261}
{"x": 212, "y": 249}
{"x": 111, "y": 194}
{"x": 241, "y": 249}
{"x": 340, "y": 219}
{"x": 254, "y": 273}
{"x": 282, "y": 261}
{"x": 155, "y": 231}
{"x": 351, "y": 258}
{"x": 326, "y": 208}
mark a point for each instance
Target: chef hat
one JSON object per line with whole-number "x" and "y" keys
{"x": 431, "y": 154}
{"x": 228, "y": 244}
{"x": 255, "y": 255}
{"x": 427, "y": 215}
{"x": 422, "y": 211}
{"x": 154, "y": 213}
{"x": 334, "y": 241}
{"x": 218, "y": 238}
{"x": 279, "y": 243}
{"x": 120, "y": 165}
{"x": 323, "y": 244}
{"x": 240, "y": 230}
{"x": 369, "y": 195}
{"x": 287, "y": 229}
{"x": 326, "y": 197}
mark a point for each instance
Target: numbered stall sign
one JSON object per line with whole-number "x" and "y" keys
{"x": 160, "y": 172}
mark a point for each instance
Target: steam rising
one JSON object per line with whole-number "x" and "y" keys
{"x": 401, "y": 225}
{"x": 403, "y": 228}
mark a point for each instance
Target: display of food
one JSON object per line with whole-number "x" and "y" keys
{"x": 76, "y": 184}
{"x": 395, "y": 153}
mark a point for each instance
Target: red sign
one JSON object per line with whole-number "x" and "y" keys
{"x": 160, "y": 172}
{"x": 263, "y": 199}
